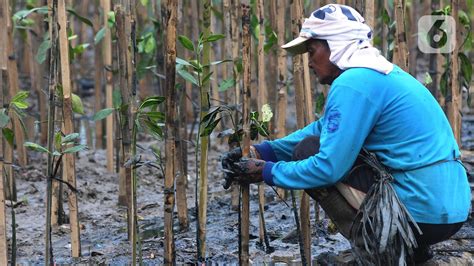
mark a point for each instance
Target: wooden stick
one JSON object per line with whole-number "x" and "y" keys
{"x": 98, "y": 78}
{"x": 400, "y": 53}
{"x": 262, "y": 97}
{"x": 3, "y": 218}
{"x": 181, "y": 157}
{"x": 3, "y": 68}
{"x": 15, "y": 123}
{"x": 234, "y": 33}
{"x": 69, "y": 171}
{"x": 205, "y": 92}
{"x": 303, "y": 111}
{"x": 53, "y": 82}
{"x": 454, "y": 106}
{"x": 107, "y": 57}
{"x": 13, "y": 89}
{"x": 171, "y": 21}
{"x": 282, "y": 101}
{"x": 245, "y": 189}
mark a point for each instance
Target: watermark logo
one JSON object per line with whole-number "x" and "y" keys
{"x": 436, "y": 34}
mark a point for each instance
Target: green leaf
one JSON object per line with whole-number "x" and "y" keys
{"x": 100, "y": 35}
{"x": 153, "y": 129}
{"x": 214, "y": 37}
{"x": 77, "y": 106}
{"x": 206, "y": 78}
{"x": 4, "y": 118}
{"x": 183, "y": 62}
{"x": 102, "y": 114}
{"x": 186, "y": 42}
{"x": 385, "y": 17}
{"x": 57, "y": 140}
{"x": 226, "y": 84}
{"x": 210, "y": 127}
{"x": 70, "y": 137}
{"x": 75, "y": 149}
{"x": 22, "y": 14}
{"x": 443, "y": 84}
{"x": 427, "y": 79}
{"x": 81, "y": 18}
{"x": 152, "y": 101}
{"x": 155, "y": 116}
{"x": 111, "y": 19}
{"x": 144, "y": 2}
{"x": 35, "y": 147}
{"x": 43, "y": 49}
{"x": 188, "y": 76}
{"x": 219, "y": 62}
{"x": 20, "y": 96}
{"x": 9, "y": 135}
{"x": 466, "y": 68}
{"x": 210, "y": 117}
{"x": 319, "y": 105}
{"x": 150, "y": 45}
{"x": 19, "y": 100}
{"x": 116, "y": 99}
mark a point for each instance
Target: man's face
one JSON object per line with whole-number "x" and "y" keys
{"x": 318, "y": 53}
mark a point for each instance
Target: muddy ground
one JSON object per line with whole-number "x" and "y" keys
{"x": 103, "y": 222}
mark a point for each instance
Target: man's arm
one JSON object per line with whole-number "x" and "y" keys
{"x": 282, "y": 149}
{"x": 348, "y": 120}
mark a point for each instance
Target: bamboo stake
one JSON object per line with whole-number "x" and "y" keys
{"x": 262, "y": 97}
{"x": 53, "y": 79}
{"x": 3, "y": 220}
{"x": 131, "y": 17}
{"x": 3, "y": 68}
{"x": 244, "y": 188}
{"x": 454, "y": 106}
{"x": 69, "y": 172}
{"x": 234, "y": 32}
{"x": 369, "y": 14}
{"x": 282, "y": 101}
{"x": 15, "y": 123}
{"x": 301, "y": 81}
{"x": 205, "y": 91}
{"x": 400, "y": 53}
{"x": 14, "y": 88}
{"x": 181, "y": 157}
{"x": 170, "y": 150}
{"x": 107, "y": 53}
{"x": 124, "y": 59}
{"x": 99, "y": 66}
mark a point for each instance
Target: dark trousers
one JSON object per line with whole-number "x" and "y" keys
{"x": 361, "y": 178}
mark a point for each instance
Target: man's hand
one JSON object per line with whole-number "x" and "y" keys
{"x": 233, "y": 166}
{"x": 248, "y": 170}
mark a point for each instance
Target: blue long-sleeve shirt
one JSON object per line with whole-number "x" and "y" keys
{"x": 393, "y": 116}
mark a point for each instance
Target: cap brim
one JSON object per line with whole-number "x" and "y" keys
{"x": 297, "y": 46}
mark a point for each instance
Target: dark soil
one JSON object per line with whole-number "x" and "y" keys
{"x": 104, "y": 232}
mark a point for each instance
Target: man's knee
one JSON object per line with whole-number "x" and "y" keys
{"x": 306, "y": 148}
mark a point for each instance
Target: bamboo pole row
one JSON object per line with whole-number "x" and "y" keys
{"x": 454, "y": 106}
